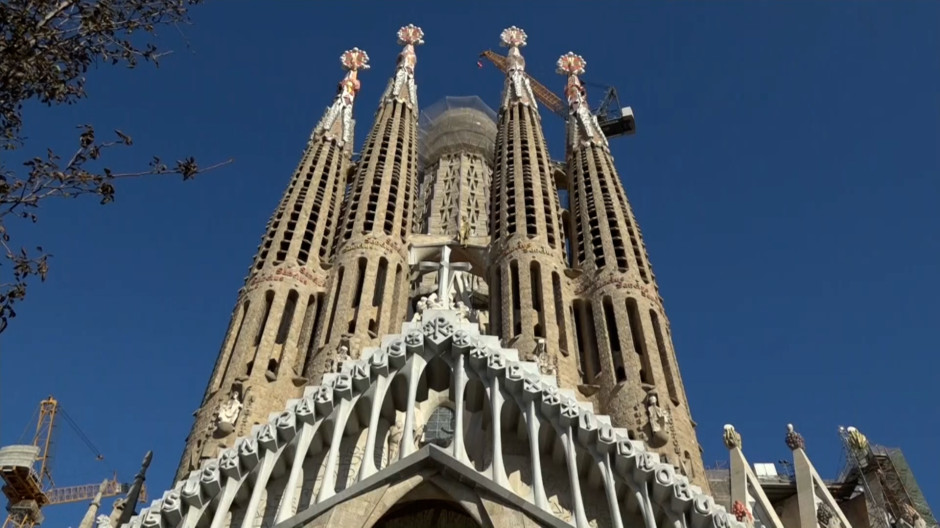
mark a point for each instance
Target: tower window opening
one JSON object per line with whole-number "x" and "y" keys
{"x": 664, "y": 358}
{"x": 377, "y": 294}
{"x": 287, "y": 318}
{"x": 616, "y": 351}
{"x": 357, "y": 297}
{"x": 337, "y": 288}
{"x": 271, "y": 372}
{"x": 496, "y": 294}
{"x": 639, "y": 344}
{"x": 268, "y": 300}
{"x": 538, "y": 298}
{"x": 238, "y": 326}
{"x": 587, "y": 341}
{"x": 559, "y": 312}
{"x": 516, "y": 301}
{"x": 311, "y": 340}
{"x": 396, "y": 303}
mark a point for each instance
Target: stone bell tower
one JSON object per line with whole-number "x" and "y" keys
{"x": 368, "y": 284}
{"x": 624, "y": 341}
{"x": 527, "y": 256}
{"x": 268, "y": 342}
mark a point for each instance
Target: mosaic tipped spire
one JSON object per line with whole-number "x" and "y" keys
{"x": 352, "y": 60}
{"x": 402, "y": 86}
{"x": 513, "y": 37}
{"x": 518, "y": 88}
{"x": 409, "y": 36}
{"x": 571, "y": 65}
{"x": 586, "y": 128}
{"x": 337, "y": 122}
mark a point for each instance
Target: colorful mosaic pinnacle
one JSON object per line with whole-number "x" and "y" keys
{"x": 410, "y": 35}
{"x": 571, "y": 64}
{"x": 513, "y": 37}
{"x": 355, "y": 59}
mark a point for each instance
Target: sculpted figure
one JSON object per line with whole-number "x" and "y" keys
{"x": 659, "y": 417}
{"x": 394, "y": 441}
{"x": 543, "y": 359}
{"x": 422, "y": 306}
{"x": 342, "y": 354}
{"x": 103, "y": 521}
{"x": 463, "y": 312}
{"x": 228, "y": 413}
{"x": 434, "y": 303}
{"x": 464, "y": 234}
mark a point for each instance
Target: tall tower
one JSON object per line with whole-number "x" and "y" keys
{"x": 456, "y": 140}
{"x": 626, "y": 348}
{"x": 368, "y": 282}
{"x": 269, "y": 339}
{"x": 527, "y": 262}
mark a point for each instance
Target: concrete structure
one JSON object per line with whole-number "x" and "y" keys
{"x": 428, "y": 353}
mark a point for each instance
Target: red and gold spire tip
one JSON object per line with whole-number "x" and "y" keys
{"x": 513, "y": 37}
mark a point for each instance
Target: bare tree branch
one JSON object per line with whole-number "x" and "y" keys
{"x": 47, "y": 48}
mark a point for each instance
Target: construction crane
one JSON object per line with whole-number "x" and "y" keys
{"x": 27, "y": 476}
{"x": 614, "y": 120}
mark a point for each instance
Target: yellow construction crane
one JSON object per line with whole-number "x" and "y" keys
{"x": 613, "y": 119}
{"x": 27, "y": 476}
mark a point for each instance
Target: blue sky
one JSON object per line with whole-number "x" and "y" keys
{"x": 785, "y": 174}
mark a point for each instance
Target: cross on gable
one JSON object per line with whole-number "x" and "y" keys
{"x": 445, "y": 272}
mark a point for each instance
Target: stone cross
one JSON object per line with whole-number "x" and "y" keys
{"x": 445, "y": 273}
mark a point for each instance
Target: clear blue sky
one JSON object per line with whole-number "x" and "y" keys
{"x": 785, "y": 172}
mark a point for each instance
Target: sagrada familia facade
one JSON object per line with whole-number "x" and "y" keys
{"x": 429, "y": 336}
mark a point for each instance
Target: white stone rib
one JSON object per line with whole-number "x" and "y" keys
{"x": 237, "y": 480}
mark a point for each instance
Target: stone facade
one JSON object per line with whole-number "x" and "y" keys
{"x": 459, "y": 217}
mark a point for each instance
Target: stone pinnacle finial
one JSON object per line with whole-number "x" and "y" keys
{"x": 794, "y": 439}
{"x": 731, "y": 437}
{"x": 513, "y": 37}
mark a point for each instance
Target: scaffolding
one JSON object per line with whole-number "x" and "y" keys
{"x": 894, "y": 499}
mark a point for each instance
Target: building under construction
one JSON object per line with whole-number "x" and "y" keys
{"x": 875, "y": 489}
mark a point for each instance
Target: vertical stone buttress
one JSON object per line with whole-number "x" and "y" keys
{"x": 527, "y": 263}
{"x": 369, "y": 280}
{"x": 268, "y": 341}
{"x": 625, "y": 345}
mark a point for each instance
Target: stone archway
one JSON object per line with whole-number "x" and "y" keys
{"x": 427, "y": 513}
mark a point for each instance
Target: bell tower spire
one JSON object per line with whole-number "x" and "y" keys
{"x": 369, "y": 280}
{"x": 527, "y": 273}
{"x": 625, "y": 343}
{"x": 268, "y": 340}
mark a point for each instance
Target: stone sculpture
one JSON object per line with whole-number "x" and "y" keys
{"x": 228, "y": 413}
{"x": 659, "y": 417}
